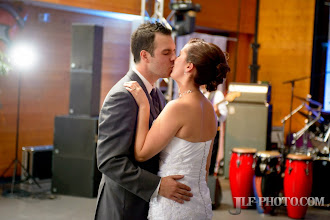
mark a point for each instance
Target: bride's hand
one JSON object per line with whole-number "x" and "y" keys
{"x": 138, "y": 93}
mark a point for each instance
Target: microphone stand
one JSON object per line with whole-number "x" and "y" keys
{"x": 289, "y": 116}
{"x": 292, "y": 82}
{"x": 299, "y": 133}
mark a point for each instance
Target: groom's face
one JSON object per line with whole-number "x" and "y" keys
{"x": 162, "y": 61}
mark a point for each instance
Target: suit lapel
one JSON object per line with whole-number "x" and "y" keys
{"x": 134, "y": 77}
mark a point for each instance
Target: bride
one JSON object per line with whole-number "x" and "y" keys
{"x": 184, "y": 131}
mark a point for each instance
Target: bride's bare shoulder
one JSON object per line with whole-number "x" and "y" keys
{"x": 175, "y": 106}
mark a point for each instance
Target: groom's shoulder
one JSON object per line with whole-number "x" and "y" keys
{"x": 118, "y": 91}
{"x": 119, "y": 86}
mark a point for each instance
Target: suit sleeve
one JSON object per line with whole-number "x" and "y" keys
{"x": 115, "y": 149}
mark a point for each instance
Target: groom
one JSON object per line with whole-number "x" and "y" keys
{"x": 127, "y": 186}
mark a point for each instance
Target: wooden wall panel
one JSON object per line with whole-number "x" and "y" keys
{"x": 219, "y": 14}
{"x": 286, "y": 37}
{"x": 240, "y": 58}
{"x": 45, "y": 89}
{"x": 231, "y": 16}
{"x": 127, "y": 6}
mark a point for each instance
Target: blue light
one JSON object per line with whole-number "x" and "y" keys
{"x": 44, "y": 17}
{"x": 326, "y": 101}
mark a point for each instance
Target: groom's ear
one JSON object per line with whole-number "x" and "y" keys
{"x": 144, "y": 56}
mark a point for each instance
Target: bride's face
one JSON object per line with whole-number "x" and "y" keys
{"x": 180, "y": 64}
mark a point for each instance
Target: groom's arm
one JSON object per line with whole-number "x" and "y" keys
{"x": 117, "y": 123}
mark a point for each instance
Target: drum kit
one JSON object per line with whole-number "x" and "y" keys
{"x": 294, "y": 175}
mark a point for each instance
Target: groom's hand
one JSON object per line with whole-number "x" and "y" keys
{"x": 172, "y": 189}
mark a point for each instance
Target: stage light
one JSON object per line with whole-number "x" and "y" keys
{"x": 184, "y": 16}
{"x": 22, "y": 56}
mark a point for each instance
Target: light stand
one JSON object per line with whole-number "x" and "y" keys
{"x": 15, "y": 161}
{"x": 22, "y": 56}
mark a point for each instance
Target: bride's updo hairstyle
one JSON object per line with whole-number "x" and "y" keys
{"x": 210, "y": 62}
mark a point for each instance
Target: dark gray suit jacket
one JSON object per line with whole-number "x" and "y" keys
{"x": 126, "y": 185}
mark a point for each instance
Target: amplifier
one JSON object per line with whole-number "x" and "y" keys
{"x": 37, "y": 167}
{"x": 251, "y": 92}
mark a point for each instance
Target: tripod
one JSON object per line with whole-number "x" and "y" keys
{"x": 15, "y": 161}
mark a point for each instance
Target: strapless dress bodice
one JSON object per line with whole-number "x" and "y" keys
{"x": 182, "y": 157}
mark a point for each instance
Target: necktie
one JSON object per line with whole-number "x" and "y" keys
{"x": 155, "y": 100}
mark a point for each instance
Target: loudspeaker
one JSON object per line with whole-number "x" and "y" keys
{"x": 74, "y": 159}
{"x": 215, "y": 191}
{"x": 86, "y": 60}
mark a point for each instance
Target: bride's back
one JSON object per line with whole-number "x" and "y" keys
{"x": 198, "y": 119}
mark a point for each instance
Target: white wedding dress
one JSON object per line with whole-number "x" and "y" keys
{"x": 181, "y": 157}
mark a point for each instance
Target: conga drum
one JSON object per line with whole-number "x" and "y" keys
{"x": 241, "y": 173}
{"x": 267, "y": 181}
{"x": 298, "y": 180}
{"x": 321, "y": 179}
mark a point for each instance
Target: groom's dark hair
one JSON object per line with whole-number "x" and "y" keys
{"x": 143, "y": 38}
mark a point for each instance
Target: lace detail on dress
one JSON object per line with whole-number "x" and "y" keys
{"x": 200, "y": 174}
{"x": 188, "y": 159}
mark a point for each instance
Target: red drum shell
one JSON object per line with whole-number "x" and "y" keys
{"x": 241, "y": 173}
{"x": 298, "y": 180}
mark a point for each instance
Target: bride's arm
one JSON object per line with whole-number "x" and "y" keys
{"x": 142, "y": 129}
{"x": 148, "y": 143}
{"x": 162, "y": 131}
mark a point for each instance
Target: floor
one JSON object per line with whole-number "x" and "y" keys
{"x": 60, "y": 207}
